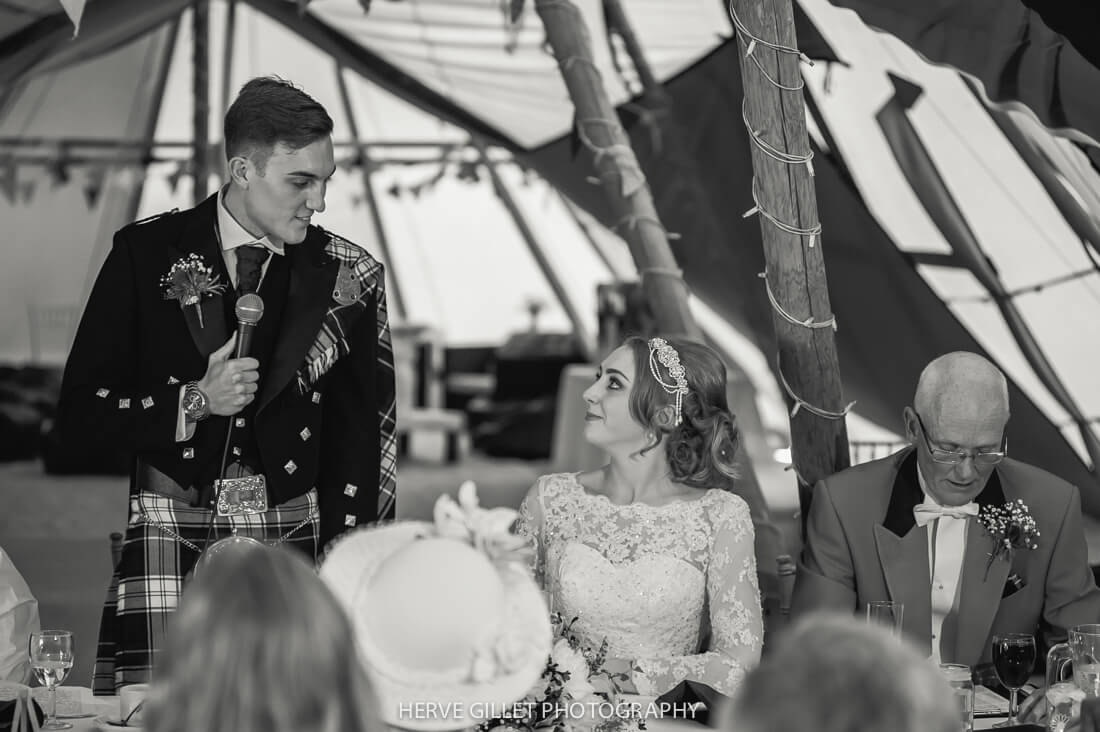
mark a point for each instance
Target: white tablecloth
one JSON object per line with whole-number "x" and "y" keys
{"x": 79, "y": 700}
{"x": 109, "y": 705}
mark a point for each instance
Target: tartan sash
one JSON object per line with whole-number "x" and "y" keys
{"x": 331, "y": 344}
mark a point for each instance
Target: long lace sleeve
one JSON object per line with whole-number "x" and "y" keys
{"x": 735, "y": 618}
{"x": 530, "y": 524}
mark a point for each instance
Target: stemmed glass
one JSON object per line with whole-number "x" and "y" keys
{"x": 51, "y": 653}
{"x": 1013, "y": 659}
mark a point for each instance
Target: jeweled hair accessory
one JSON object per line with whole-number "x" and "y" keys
{"x": 660, "y": 350}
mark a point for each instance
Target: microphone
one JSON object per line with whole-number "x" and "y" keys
{"x": 250, "y": 308}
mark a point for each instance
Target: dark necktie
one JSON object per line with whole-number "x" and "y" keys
{"x": 250, "y": 263}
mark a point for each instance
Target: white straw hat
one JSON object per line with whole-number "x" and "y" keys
{"x": 450, "y": 625}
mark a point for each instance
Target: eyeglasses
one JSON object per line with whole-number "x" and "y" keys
{"x": 954, "y": 457}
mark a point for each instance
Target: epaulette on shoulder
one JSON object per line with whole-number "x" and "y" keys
{"x": 154, "y": 217}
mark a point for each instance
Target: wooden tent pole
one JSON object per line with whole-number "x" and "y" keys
{"x": 149, "y": 134}
{"x": 115, "y": 216}
{"x": 786, "y": 205}
{"x": 681, "y": 180}
{"x": 227, "y": 54}
{"x": 584, "y": 339}
{"x": 200, "y": 85}
{"x": 363, "y": 160}
{"x": 740, "y": 389}
{"x": 599, "y": 130}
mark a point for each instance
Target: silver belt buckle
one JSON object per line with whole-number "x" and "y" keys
{"x": 242, "y": 496}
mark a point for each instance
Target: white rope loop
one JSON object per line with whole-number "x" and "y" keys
{"x": 770, "y": 150}
{"x": 813, "y": 231}
{"x": 807, "y": 323}
{"x": 632, "y": 220}
{"x": 800, "y": 403}
{"x": 630, "y": 172}
{"x": 743, "y": 30}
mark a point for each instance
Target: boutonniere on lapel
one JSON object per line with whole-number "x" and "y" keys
{"x": 1011, "y": 527}
{"x": 189, "y": 281}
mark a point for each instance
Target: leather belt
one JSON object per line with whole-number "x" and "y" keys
{"x": 242, "y": 495}
{"x": 149, "y": 478}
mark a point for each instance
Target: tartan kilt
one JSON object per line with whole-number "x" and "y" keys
{"x": 162, "y": 544}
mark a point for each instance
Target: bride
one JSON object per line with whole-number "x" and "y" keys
{"x": 652, "y": 552}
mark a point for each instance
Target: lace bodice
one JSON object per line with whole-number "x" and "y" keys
{"x": 651, "y": 580}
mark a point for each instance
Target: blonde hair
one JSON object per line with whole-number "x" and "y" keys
{"x": 259, "y": 644}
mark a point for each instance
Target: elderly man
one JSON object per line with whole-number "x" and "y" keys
{"x": 920, "y": 527}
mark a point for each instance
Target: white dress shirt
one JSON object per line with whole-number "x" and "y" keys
{"x": 231, "y": 235}
{"x": 946, "y": 546}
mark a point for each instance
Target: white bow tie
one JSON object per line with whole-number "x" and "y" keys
{"x": 926, "y": 513}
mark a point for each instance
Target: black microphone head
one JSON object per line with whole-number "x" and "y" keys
{"x": 250, "y": 308}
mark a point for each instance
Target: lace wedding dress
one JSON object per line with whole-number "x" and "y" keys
{"x": 651, "y": 580}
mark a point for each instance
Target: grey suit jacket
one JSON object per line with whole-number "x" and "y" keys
{"x": 863, "y": 544}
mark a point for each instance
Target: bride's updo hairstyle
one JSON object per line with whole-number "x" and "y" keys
{"x": 701, "y": 445}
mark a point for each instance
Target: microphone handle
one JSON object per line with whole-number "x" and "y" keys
{"x": 244, "y": 339}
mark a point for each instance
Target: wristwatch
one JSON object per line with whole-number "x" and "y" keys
{"x": 195, "y": 404}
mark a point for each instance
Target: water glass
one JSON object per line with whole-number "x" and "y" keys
{"x": 1065, "y": 692}
{"x": 959, "y": 678}
{"x": 887, "y": 613}
{"x": 51, "y": 653}
{"x": 1063, "y": 705}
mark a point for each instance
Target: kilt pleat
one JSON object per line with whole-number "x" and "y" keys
{"x": 162, "y": 545}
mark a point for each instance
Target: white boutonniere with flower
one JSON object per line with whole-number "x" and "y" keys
{"x": 189, "y": 280}
{"x": 1011, "y": 527}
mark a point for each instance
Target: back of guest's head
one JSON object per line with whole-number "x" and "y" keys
{"x": 701, "y": 449}
{"x": 259, "y": 644}
{"x": 268, "y": 111}
{"x": 834, "y": 673}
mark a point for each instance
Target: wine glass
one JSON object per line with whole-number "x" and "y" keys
{"x": 1013, "y": 659}
{"x": 51, "y": 653}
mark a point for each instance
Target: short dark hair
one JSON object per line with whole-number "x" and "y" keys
{"x": 268, "y": 111}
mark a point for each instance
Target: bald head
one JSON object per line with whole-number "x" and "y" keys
{"x": 961, "y": 385}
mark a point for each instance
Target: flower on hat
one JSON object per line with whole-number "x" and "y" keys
{"x": 511, "y": 650}
{"x": 487, "y": 530}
